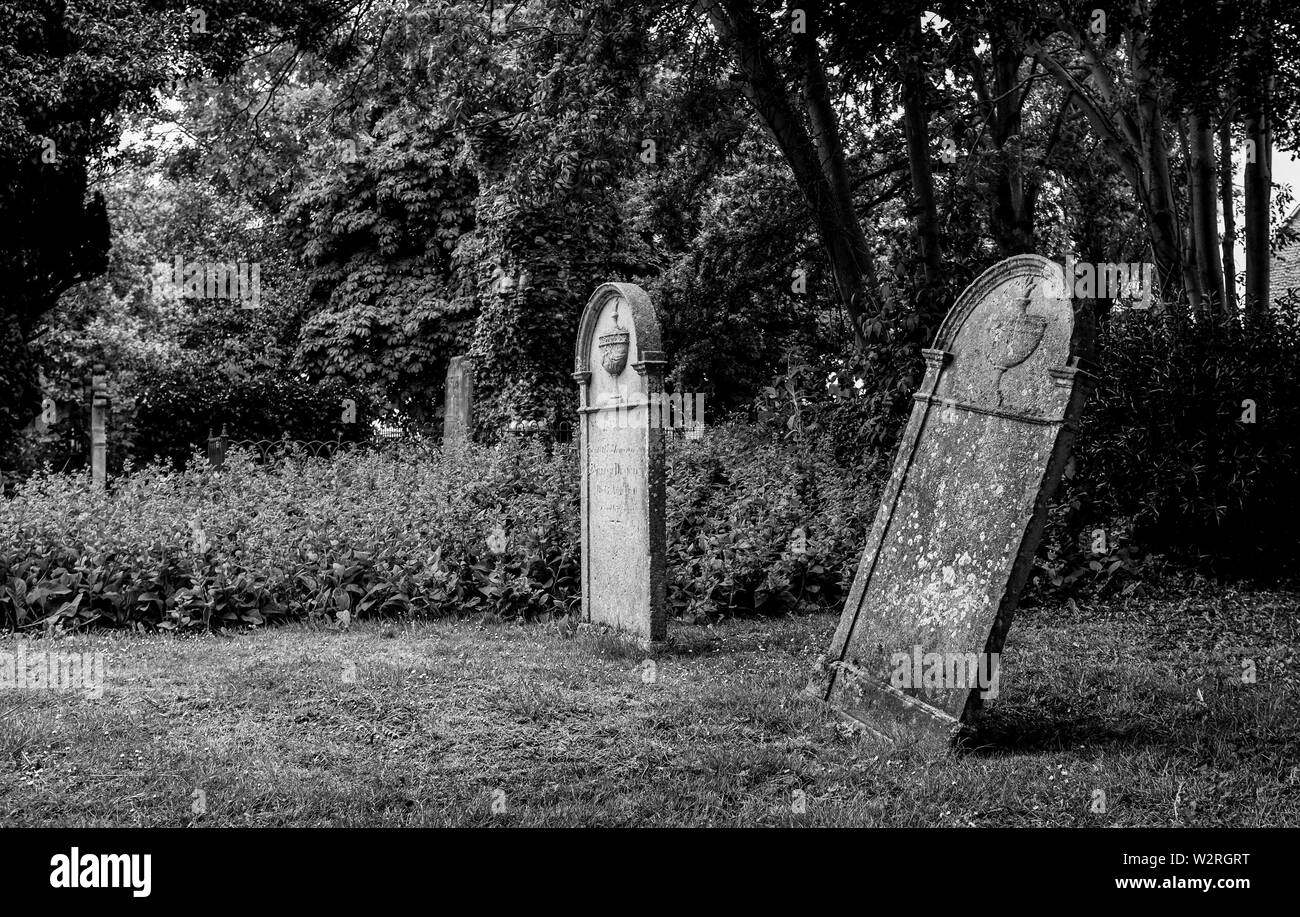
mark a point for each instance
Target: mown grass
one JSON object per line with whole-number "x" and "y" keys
{"x": 480, "y": 723}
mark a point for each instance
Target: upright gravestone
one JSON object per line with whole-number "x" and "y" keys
{"x": 458, "y": 410}
{"x": 954, "y": 537}
{"x": 619, "y": 370}
{"x": 99, "y": 426}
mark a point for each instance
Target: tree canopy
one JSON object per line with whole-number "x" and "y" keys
{"x": 797, "y": 185}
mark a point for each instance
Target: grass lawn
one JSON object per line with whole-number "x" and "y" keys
{"x": 481, "y": 723}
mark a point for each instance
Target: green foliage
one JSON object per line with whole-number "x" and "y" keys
{"x": 828, "y": 406}
{"x": 761, "y": 525}
{"x": 70, "y": 73}
{"x": 728, "y": 301}
{"x": 756, "y": 526}
{"x": 379, "y": 238}
{"x": 549, "y": 223}
{"x": 530, "y": 298}
{"x": 1165, "y": 462}
{"x": 124, "y": 320}
{"x": 19, "y": 393}
{"x": 387, "y": 334}
{"x": 180, "y": 402}
{"x": 65, "y": 444}
{"x": 364, "y": 533}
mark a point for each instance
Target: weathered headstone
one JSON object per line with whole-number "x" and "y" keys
{"x": 619, "y": 368}
{"x": 458, "y": 412}
{"x": 99, "y": 426}
{"x": 954, "y": 537}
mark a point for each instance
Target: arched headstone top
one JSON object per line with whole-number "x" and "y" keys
{"x": 615, "y": 308}
{"x": 1011, "y": 339}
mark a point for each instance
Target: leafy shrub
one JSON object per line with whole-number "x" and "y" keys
{"x": 1164, "y": 462}
{"x": 368, "y": 533}
{"x": 761, "y": 525}
{"x": 837, "y": 412}
{"x": 179, "y": 401}
{"x": 402, "y": 531}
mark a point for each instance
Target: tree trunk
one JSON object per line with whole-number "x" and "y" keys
{"x": 1258, "y": 193}
{"x": 1154, "y": 156}
{"x": 843, "y": 236}
{"x": 817, "y": 160}
{"x": 1191, "y": 273}
{"x": 916, "y": 124}
{"x": 1205, "y": 211}
{"x": 1229, "y": 215}
{"x": 1137, "y": 145}
{"x": 1013, "y": 213}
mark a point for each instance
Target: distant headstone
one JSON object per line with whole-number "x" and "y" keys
{"x": 619, "y": 370}
{"x": 217, "y": 447}
{"x": 458, "y": 413}
{"x": 99, "y": 426}
{"x": 953, "y": 542}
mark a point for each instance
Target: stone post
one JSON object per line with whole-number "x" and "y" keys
{"x": 458, "y": 410}
{"x": 99, "y": 426}
{"x": 217, "y": 448}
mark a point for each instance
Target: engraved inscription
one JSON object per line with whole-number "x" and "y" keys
{"x": 618, "y": 525}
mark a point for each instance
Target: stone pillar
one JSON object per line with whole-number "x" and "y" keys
{"x": 458, "y": 409}
{"x": 99, "y": 426}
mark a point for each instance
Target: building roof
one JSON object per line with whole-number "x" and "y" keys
{"x": 1284, "y": 268}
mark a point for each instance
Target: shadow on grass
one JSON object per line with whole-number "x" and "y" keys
{"x": 781, "y": 634}
{"x": 687, "y": 641}
{"x": 1027, "y": 730}
{"x": 1179, "y": 723}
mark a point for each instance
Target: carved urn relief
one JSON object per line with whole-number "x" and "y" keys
{"x": 614, "y": 346}
{"x": 1015, "y": 334}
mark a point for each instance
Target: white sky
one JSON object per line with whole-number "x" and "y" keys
{"x": 1286, "y": 171}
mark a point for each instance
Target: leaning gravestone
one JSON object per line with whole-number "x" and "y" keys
{"x": 458, "y": 407}
{"x": 619, "y": 370}
{"x": 959, "y": 520}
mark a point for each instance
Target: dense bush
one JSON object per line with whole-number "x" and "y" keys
{"x": 1166, "y": 461}
{"x": 1166, "y": 469}
{"x": 754, "y": 526}
{"x": 180, "y": 400}
{"x": 367, "y": 533}
{"x": 759, "y": 524}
